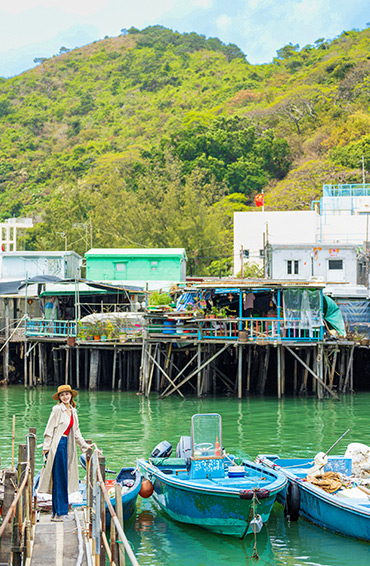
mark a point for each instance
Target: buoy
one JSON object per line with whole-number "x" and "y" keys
{"x": 146, "y": 489}
{"x": 217, "y": 447}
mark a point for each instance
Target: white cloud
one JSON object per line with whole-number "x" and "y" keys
{"x": 201, "y": 3}
{"x": 78, "y": 7}
{"x": 223, "y": 22}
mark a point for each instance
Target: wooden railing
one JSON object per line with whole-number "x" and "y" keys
{"x": 97, "y": 496}
{"x": 16, "y": 531}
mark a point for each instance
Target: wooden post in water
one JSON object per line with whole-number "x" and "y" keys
{"x": 240, "y": 371}
{"x": 249, "y": 369}
{"x": 56, "y": 366}
{"x": 199, "y": 375}
{"x": 25, "y": 363}
{"x": 114, "y": 368}
{"x": 94, "y": 368}
{"x": 77, "y": 366}
{"x": 66, "y": 374}
{"x": 295, "y": 376}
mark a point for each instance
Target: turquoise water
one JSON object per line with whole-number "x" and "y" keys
{"x": 127, "y": 426}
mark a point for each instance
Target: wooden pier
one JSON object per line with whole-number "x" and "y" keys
{"x": 28, "y": 537}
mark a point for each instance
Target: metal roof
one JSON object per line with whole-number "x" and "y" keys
{"x": 135, "y": 252}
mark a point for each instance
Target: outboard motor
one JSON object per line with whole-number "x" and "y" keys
{"x": 183, "y": 449}
{"x": 162, "y": 450}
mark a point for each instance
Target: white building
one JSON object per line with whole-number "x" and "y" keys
{"x": 24, "y": 265}
{"x": 331, "y": 264}
{"x": 340, "y": 217}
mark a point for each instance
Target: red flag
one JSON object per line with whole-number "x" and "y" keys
{"x": 258, "y": 199}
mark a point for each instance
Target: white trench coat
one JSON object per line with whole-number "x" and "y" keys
{"x": 57, "y": 424}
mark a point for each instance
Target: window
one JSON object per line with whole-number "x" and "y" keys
{"x": 154, "y": 266}
{"x": 335, "y": 264}
{"x": 292, "y": 267}
{"x": 262, "y": 253}
{"x": 121, "y": 267}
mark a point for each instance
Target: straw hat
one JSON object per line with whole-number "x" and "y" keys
{"x": 64, "y": 389}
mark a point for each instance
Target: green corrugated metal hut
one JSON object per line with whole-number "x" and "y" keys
{"x": 136, "y": 264}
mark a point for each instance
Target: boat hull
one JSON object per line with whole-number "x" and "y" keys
{"x": 129, "y": 498}
{"x": 347, "y": 517}
{"x": 222, "y": 513}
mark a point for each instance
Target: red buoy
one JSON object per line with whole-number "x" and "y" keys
{"x": 146, "y": 489}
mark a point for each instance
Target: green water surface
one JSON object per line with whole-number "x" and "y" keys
{"x": 127, "y": 426}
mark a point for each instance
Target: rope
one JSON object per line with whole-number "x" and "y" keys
{"x": 255, "y": 500}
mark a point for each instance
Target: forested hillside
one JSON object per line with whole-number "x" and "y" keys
{"x": 154, "y": 138}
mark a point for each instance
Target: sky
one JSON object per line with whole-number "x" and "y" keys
{"x": 39, "y": 28}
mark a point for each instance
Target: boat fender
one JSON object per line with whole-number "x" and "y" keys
{"x": 248, "y": 493}
{"x": 292, "y": 502}
{"x": 146, "y": 489}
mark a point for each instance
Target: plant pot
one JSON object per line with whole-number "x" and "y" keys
{"x": 96, "y": 337}
{"x": 71, "y": 340}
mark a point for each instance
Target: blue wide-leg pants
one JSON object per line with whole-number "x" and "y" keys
{"x": 60, "y": 479}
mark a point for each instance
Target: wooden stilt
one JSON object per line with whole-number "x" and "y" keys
{"x": 320, "y": 371}
{"x": 332, "y": 370}
{"x": 176, "y": 388}
{"x": 282, "y": 361}
{"x": 264, "y": 365}
{"x": 94, "y": 368}
{"x": 78, "y": 367}
{"x": 41, "y": 377}
{"x": 240, "y": 371}
{"x": 56, "y": 366}
{"x": 181, "y": 372}
{"x": 278, "y": 371}
{"x": 303, "y": 389}
{"x": 195, "y": 371}
{"x": 249, "y": 369}
{"x": 349, "y": 364}
{"x": 295, "y": 377}
{"x": 114, "y": 368}
{"x": 66, "y": 375}
{"x": 318, "y": 379}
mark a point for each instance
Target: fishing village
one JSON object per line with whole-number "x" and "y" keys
{"x": 191, "y": 337}
{"x": 185, "y": 291}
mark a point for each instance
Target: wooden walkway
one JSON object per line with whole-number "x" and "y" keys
{"x": 57, "y": 543}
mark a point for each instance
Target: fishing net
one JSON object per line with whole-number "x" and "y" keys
{"x": 329, "y": 481}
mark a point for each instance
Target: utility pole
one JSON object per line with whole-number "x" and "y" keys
{"x": 242, "y": 261}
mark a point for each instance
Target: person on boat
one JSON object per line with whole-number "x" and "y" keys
{"x": 60, "y": 474}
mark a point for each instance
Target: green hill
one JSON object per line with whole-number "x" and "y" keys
{"x": 154, "y": 138}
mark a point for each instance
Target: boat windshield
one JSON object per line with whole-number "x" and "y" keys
{"x": 206, "y": 436}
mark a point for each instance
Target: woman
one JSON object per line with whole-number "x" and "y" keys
{"x": 60, "y": 475}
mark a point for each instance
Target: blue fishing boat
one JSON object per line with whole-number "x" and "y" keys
{"x": 129, "y": 480}
{"x": 203, "y": 486}
{"x": 346, "y": 510}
